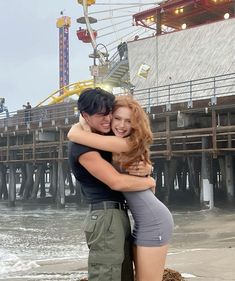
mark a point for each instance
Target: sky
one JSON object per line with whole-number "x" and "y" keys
{"x": 29, "y": 57}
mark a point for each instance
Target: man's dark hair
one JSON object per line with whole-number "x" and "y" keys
{"x": 95, "y": 100}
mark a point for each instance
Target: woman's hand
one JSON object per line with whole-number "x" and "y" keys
{"x": 154, "y": 188}
{"x": 141, "y": 169}
{"x": 153, "y": 184}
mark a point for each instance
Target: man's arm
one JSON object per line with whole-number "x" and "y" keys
{"x": 105, "y": 172}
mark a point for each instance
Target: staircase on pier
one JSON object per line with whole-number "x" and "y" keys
{"x": 117, "y": 71}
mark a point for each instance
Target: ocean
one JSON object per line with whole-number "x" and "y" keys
{"x": 32, "y": 235}
{"x": 41, "y": 242}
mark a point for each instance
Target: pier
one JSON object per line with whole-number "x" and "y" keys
{"x": 193, "y": 149}
{"x": 184, "y": 78}
{"x": 33, "y": 151}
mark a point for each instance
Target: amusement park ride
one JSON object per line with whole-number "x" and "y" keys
{"x": 86, "y": 35}
{"x": 166, "y": 16}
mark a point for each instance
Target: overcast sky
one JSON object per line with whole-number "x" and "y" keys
{"x": 29, "y": 49}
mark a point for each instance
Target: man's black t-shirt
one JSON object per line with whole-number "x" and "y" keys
{"x": 93, "y": 189}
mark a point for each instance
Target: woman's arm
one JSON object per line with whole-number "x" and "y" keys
{"x": 107, "y": 143}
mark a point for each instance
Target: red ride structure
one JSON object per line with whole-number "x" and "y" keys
{"x": 84, "y": 35}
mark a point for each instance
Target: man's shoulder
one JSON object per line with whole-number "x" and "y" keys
{"x": 78, "y": 146}
{"x": 78, "y": 149}
{"x": 75, "y": 150}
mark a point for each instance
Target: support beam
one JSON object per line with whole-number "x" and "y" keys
{"x": 3, "y": 184}
{"x": 12, "y": 186}
{"x": 229, "y": 177}
{"x": 192, "y": 176}
{"x": 60, "y": 196}
{"x": 29, "y": 181}
{"x": 207, "y": 194}
{"x": 69, "y": 177}
{"x": 53, "y": 179}
{"x": 23, "y": 179}
{"x": 168, "y": 141}
{"x": 214, "y": 125}
{"x": 38, "y": 176}
{"x": 42, "y": 183}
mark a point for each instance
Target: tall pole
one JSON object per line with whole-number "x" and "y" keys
{"x": 94, "y": 63}
{"x": 63, "y": 23}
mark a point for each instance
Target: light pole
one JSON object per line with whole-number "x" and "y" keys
{"x": 102, "y": 56}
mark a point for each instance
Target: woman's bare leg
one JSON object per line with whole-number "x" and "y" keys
{"x": 150, "y": 262}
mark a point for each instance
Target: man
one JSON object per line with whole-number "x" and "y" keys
{"x": 120, "y": 50}
{"x": 107, "y": 226}
{"x": 27, "y": 114}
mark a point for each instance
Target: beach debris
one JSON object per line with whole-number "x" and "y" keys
{"x": 169, "y": 275}
{"x": 172, "y": 275}
{"x": 188, "y": 275}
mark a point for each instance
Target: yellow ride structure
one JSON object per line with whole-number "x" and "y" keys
{"x": 67, "y": 91}
{"x": 87, "y": 2}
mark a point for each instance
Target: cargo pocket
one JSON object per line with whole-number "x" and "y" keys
{"x": 115, "y": 238}
{"x": 89, "y": 229}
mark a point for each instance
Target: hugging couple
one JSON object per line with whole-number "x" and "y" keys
{"x": 109, "y": 154}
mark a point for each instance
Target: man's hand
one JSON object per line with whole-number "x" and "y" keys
{"x": 141, "y": 169}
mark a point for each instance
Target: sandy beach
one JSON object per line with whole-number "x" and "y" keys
{"x": 205, "y": 248}
{"x": 202, "y": 249}
{"x": 197, "y": 265}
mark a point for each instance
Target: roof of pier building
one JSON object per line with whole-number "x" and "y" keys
{"x": 175, "y": 15}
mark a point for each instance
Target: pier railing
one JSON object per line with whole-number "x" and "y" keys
{"x": 189, "y": 91}
{"x": 39, "y": 115}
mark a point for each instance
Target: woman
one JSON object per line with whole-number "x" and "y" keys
{"x": 153, "y": 223}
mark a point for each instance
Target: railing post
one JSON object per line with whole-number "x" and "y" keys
{"x": 149, "y": 105}
{"x": 190, "y": 102}
{"x": 214, "y": 98}
{"x": 168, "y": 106}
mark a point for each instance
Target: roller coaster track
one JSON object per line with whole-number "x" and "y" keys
{"x": 65, "y": 92}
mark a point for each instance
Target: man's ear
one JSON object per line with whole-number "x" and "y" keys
{"x": 85, "y": 116}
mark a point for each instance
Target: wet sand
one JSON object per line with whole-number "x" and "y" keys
{"x": 199, "y": 265}
{"x": 202, "y": 249}
{"x": 205, "y": 247}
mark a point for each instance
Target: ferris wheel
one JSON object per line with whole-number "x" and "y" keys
{"x": 104, "y": 24}
{"x": 107, "y": 23}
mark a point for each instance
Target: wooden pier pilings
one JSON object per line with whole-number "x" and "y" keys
{"x": 33, "y": 155}
{"x": 194, "y": 149}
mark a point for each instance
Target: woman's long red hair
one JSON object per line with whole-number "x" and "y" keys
{"x": 141, "y": 136}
